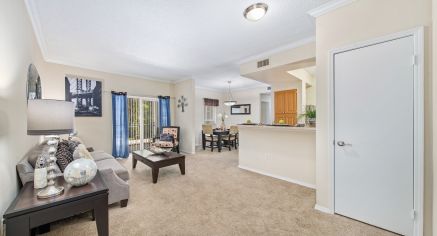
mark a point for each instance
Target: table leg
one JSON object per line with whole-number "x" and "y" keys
{"x": 155, "y": 173}
{"x": 182, "y": 167}
{"x": 18, "y": 226}
{"x": 134, "y": 162}
{"x": 219, "y": 143}
{"x": 101, "y": 214}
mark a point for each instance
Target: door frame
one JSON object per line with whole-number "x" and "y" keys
{"x": 418, "y": 35}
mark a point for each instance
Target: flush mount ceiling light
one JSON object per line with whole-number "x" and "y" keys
{"x": 230, "y": 101}
{"x": 256, "y": 11}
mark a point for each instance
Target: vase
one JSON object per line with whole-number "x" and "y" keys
{"x": 80, "y": 172}
{"x": 312, "y": 122}
{"x": 223, "y": 125}
{"x": 40, "y": 178}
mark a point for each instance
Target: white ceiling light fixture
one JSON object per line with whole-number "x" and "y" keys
{"x": 230, "y": 101}
{"x": 256, "y": 11}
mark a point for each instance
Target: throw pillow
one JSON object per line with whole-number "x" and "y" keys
{"x": 72, "y": 145}
{"x": 82, "y": 152}
{"x": 76, "y": 139}
{"x": 35, "y": 153}
{"x": 63, "y": 155}
{"x": 166, "y": 137}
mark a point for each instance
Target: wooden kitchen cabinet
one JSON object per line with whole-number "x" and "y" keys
{"x": 286, "y": 106}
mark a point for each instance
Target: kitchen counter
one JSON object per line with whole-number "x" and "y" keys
{"x": 283, "y": 152}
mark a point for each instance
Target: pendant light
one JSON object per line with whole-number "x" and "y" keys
{"x": 230, "y": 101}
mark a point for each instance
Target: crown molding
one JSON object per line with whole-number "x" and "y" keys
{"x": 112, "y": 72}
{"x": 211, "y": 89}
{"x": 278, "y": 49}
{"x": 328, "y": 7}
{"x": 32, "y": 11}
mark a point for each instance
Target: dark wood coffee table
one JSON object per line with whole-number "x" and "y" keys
{"x": 157, "y": 161}
{"x": 27, "y": 212}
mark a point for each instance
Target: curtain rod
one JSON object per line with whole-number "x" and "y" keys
{"x": 139, "y": 96}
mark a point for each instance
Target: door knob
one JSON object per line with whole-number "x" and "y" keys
{"x": 342, "y": 144}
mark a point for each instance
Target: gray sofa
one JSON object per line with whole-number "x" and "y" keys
{"x": 113, "y": 173}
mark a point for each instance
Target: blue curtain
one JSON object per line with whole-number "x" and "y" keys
{"x": 120, "y": 133}
{"x": 164, "y": 111}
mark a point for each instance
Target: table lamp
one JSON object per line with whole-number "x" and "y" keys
{"x": 50, "y": 118}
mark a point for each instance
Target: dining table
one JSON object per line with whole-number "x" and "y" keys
{"x": 220, "y": 133}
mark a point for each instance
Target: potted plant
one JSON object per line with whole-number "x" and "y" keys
{"x": 310, "y": 115}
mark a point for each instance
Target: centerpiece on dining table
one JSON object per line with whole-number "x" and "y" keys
{"x": 222, "y": 116}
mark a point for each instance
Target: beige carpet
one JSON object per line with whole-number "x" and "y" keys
{"x": 215, "y": 197}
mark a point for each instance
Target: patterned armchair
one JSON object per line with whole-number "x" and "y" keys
{"x": 169, "y": 138}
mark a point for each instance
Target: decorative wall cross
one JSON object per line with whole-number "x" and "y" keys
{"x": 182, "y": 103}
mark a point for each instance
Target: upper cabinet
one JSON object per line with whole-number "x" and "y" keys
{"x": 286, "y": 106}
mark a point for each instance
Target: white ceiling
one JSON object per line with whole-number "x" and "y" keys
{"x": 166, "y": 39}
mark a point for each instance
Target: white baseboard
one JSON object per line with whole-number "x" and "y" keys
{"x": 323, "y": 209}
{"x": 279, "y": 177}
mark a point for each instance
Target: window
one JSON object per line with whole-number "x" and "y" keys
{"x": 210, "y": 114}
{"x": 143, "y": 122}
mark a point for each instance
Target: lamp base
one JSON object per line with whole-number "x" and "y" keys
{"x": 50, "y": 191}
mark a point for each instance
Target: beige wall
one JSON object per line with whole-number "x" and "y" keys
{"x": 363, "y": 20}
{"x": 186, "y": 120}
{"x": 202, "y": 93}
{"x": 247, "y": 96}
{"x": 299, "y": 53}
{"x": 16, "y": 37}
{"x": 97, "y": 131}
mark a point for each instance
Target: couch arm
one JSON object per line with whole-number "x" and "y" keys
{"x": 118, "y": 188}
{"x": 25, "y": 171}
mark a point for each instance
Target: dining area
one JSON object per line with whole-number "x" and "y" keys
{"x": 219, "y": 138}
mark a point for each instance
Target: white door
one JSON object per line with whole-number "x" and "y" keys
{"x": 374, "y": 134}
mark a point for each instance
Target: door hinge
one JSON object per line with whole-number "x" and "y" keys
{"x": 415, "y": 60}
{"x": 413, "y": 214}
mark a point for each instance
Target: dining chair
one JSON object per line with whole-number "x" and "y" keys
{"x": 232, "y": 137}
{"x": 208, "y": 136}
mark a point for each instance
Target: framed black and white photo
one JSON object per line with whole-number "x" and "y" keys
{"x": 85, "y": 93}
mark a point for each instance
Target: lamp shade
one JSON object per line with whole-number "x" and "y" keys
{"x": 49, "y": 117}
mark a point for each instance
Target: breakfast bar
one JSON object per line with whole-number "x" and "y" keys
{"x": 283, "y": 152}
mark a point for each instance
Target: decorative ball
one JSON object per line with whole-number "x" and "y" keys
{"x": 80, "y": 172}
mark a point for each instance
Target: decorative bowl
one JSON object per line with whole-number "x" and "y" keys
{"x": 80, "y": 172}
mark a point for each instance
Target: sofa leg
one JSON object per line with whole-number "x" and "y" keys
{"x": 123, "y": 203}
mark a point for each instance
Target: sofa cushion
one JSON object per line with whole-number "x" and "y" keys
{"x": 114, "y": 165}
{"x": 100, "y": 155}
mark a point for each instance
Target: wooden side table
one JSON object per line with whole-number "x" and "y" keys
{"x": 27, "y": 212}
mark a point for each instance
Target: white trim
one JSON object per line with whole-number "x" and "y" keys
{"x": 328, "y": 7}
{"x": 418, "y": 34}
{"x": 112, "y": 72}
{"x": 312, "y": 186}
{"x": 185, "y": 152}
{"x": 211, "y": 89}
{"x": 269, "y": 53}
{"x": 181, "y": 80}
{"x": 33, "y": 12}
{"x": 323, "y": 209}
